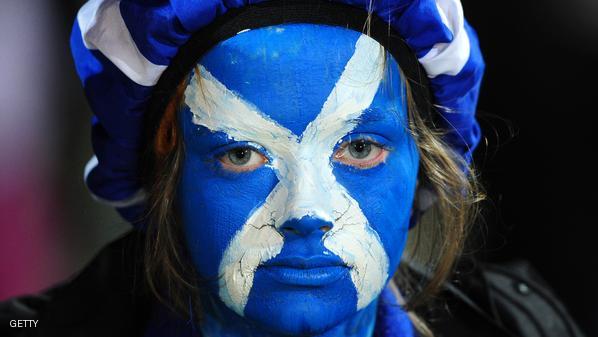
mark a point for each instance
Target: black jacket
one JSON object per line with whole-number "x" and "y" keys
{"x": 108, "y": 298}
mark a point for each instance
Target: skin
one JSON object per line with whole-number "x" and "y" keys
{"x": 286, "y": 74}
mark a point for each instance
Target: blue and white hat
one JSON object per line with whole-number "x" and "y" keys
{"x": 124, "y": 49}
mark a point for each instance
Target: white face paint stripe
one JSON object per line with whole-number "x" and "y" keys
{"x": 257, "y": 242}
{"x": 353, "y": 93}
{"x": 307, "y": 185}
{"x": 217, "y": 108}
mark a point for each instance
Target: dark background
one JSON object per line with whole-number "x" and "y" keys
{"x": 537, "y": 109}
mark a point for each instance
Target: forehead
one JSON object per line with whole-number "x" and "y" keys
{"x": 286, "y": 71}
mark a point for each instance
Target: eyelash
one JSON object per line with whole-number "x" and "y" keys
{"x": 376, "y": 155}
{"x": 253, "y": 162}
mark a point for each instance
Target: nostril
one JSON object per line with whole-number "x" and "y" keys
{"x": 325, "y": 228}
{"x": 290, "y": 230}
{"x": 305, "y": 226}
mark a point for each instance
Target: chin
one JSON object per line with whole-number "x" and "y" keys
{"x": 300, "y": 310}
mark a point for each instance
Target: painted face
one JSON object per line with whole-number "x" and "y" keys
{"x": 299, "y": 174}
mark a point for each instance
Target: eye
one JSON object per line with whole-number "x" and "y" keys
{"x": 242, "y": 159}
{"x": 362, "y": 154}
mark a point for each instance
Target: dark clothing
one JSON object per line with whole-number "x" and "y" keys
{"x": 108, "y": 298}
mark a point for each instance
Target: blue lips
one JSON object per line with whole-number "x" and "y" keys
{"x": 310, "y": 262}
{"x": 312, "y": 277}
{"x": 310, "y": 271}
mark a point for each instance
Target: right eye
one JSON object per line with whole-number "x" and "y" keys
{"x": 242, "y": 159}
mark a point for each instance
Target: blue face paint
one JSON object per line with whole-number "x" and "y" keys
{"x": 303, "y": 236}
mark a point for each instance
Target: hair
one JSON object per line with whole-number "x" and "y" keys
{"x": 433, "y": 245}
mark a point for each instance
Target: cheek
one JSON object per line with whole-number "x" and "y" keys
{"x": 385, "y": 195}
{"x": 214, "y": 207}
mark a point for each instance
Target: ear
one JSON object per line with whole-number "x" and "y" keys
{"x": 425, "y": 198}
{"x": 166, "y": 135}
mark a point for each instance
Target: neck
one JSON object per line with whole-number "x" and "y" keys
{"x": 218, "y": 321}
{"x": 382, "y": 318}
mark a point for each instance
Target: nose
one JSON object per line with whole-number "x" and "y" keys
{"x": 305, "y": 226}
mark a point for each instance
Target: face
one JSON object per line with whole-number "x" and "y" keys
{"x": 299, "y": 174}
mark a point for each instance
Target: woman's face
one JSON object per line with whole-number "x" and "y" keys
{"x": 299, "y": 174}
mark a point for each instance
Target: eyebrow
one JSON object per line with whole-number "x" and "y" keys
{"x": 376, "y": 115}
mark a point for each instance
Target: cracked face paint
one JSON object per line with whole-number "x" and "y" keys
{"x": 304, "y": 239}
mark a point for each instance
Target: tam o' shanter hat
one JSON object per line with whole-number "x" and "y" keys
{"x": 130, "y": 54}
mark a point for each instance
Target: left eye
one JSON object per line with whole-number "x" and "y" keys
{"x": 242, "y": 159}
{"x": 362, "y": 154}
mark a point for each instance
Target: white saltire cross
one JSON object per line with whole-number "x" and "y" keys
{"x": 307, "y": 185}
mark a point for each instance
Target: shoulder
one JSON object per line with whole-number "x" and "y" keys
{"x": 107, "y": 298}
{"x": 509, "y": 299}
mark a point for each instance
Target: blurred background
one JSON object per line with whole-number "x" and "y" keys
{"x": 537, "y": 110}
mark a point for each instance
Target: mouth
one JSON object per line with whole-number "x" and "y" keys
{"x": 314, "y": 271}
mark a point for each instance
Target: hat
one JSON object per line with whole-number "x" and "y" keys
{"x": 130, "y": 54}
